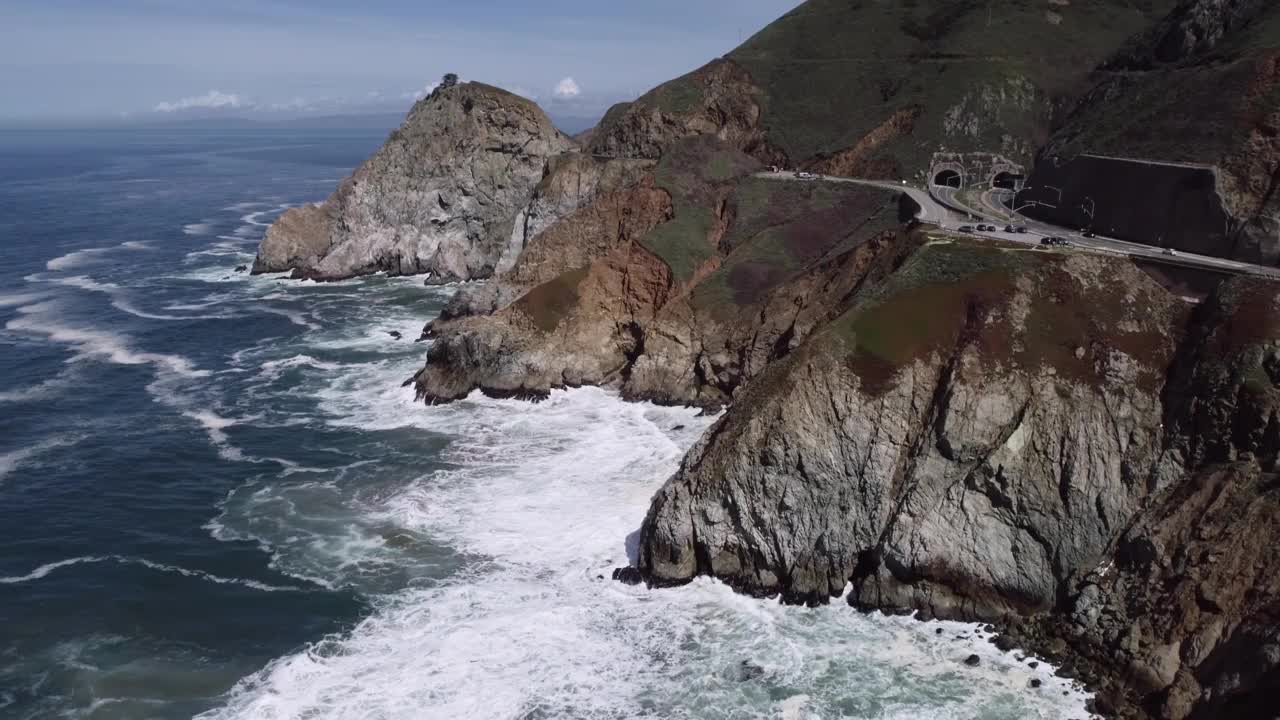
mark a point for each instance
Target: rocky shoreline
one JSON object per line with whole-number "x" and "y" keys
{"x": 1058, "y": 443}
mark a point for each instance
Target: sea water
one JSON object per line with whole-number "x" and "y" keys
{"x": 217, "y": 499}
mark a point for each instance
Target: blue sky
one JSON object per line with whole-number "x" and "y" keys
{"x": 104, "y": 58}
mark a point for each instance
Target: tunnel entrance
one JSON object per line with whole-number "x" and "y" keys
{"x": 948, "y": 178}
{"x": 1008, "y": 181}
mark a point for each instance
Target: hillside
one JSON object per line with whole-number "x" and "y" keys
{"x": 1202, "y": 86}
{"x": 875, "y": 88}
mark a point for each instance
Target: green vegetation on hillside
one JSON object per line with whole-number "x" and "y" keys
{"x": 951, "y": 293}
{"x": 696, "y": 172}
{"x": 831, "y": 71}
{"x": 782, "y": 227}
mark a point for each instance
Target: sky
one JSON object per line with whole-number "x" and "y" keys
{"x": 87, "y": 59}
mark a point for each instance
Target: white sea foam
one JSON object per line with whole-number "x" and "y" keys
{"x": 74, "y": 259}
{"x": 548, "y": 495}
{"x": 80, "y": 257}
{"x": 121, "y": 300}
{"x": 244, "y": 206}
{"x": 273, "y": 369}
{"x": 21, "y": 298}
{"x": 43, "y": 389}
{"x": 47, "y": 319}
{"x": 215, "y": 427}
{"x": 44, "y": 570}
{"x": 201, "y": 228}
{"x": 47, "y": 569}
{"x": 10, "y": 461}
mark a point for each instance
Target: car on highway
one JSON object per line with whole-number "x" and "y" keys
{"x": 1021, "y": 229}
{"x": 1054, "y": 240}
{"x": 1170, "y": 251}
{"x": 1009, "y": 229}
{"x": 1088, "y": 234}
{"x": 802, "y": 175}
{"x": 966, "y": 228}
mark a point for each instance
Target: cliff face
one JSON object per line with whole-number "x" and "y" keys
{"x": 971, "y": 440}
{"x": 441, "y": 196}
{"x": 958, "y": 441}
{"x": 676, "y": 289}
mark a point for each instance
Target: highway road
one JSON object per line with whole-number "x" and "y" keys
{"x": 940, "y": 207}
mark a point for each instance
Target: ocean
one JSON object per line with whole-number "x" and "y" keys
{"x": 218, "y": 501}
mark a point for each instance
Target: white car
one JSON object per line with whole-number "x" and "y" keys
{"x": 1170, "y": 251}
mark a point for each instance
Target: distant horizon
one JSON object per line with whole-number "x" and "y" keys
{"x": 76, "y": 61}
{"x": 354, "y": 120}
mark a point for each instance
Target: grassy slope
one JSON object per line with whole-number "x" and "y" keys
{"x": 950, "y": 290}
{"x": 833, "y": 70}
{"x": 782, "y": 227}
{"x": 1193, "y": 112}
{"x": 696, "y": 172}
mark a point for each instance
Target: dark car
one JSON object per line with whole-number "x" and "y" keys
{"x": 1008, "y": 228}
{"x": 1021, "y": 229}
{"x": 1088, "y": 234}
{"x": 966, "y": 228}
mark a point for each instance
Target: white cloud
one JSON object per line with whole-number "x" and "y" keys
{"x": 297, "y": 104}
{"x": 567, "y": 88}
{"x": 416, "y": 95}
{"x": 213, "y": 99}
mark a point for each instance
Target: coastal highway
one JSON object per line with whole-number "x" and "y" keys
{"x": 940, "y": 207}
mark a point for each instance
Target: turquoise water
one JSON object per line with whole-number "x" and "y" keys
{"x": 216, "y": 498}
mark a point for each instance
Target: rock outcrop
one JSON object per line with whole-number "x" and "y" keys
{"x": 959, "y": 441}
{"x": 441, "y": 196}
{"x": 614, "y": 210}
{"x": 970, "y": 441}
{"x": 676, "y": 289}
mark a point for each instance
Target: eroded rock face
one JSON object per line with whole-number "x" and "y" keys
{"x": 441, "y": 196}
{"x": 965, "y": 468}
{"x": 614, "y": 211}
{"x": 989, "y": 448}
{"x": 717, "y": 99}
{"x": 612, "y": 295}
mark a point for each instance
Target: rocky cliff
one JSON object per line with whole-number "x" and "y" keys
{"x": 676, "y": 289}
{"x": 1048, "y": 439}
{"x": 973, "y": 440}
{"x": 441, "y": 196}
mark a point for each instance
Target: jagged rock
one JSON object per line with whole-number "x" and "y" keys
{"x": 628, "y": 576}
{"x": 899, "y": 460}
{"x": 973, "y": 661}
{"x": 581, "y": 211}
{"x": 440, "y": 196}
{"x": 242, "y": 268}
